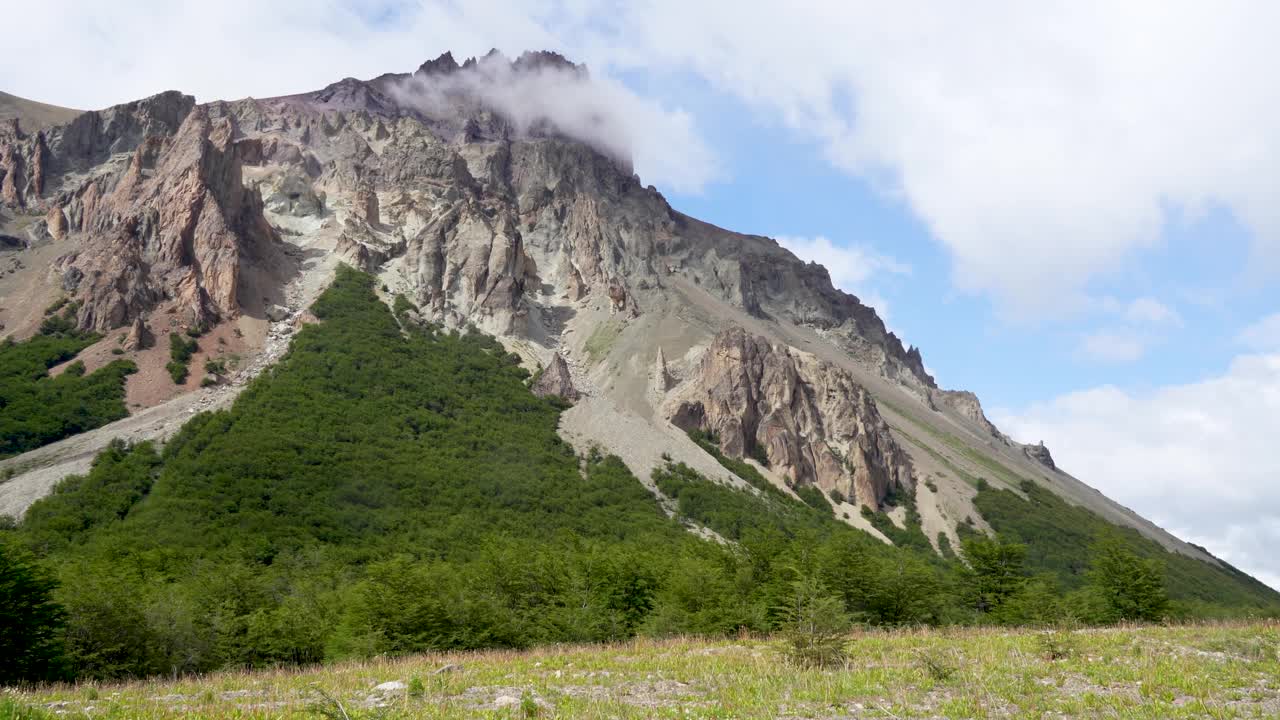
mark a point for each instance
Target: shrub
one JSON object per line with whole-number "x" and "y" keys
{"x": 813, "y": 497}
{"x": 938, "y": 664}
{"x": 416, "y": 687}
{"x": 814, "y": 626}
{"x": 177, "y": 371}
{"x": 1057, "y": 644}
{"x": 180, "y": 352}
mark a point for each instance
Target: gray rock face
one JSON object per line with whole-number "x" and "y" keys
{"x": 661, "y": 376}
{"x": 154, "y": 190}
{"x": 290, "y": 193}
{"x": 556, "y": 380}
{"x": 1040, "y": 454}
{"x": 966, "y": 404}
{"x": 810, "y": 419}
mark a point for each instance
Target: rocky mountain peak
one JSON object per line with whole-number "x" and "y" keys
{"x": 481, "y": 194}
{"x": 440, "y": 66}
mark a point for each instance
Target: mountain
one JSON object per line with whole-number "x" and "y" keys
{"x": 175, "y": 236}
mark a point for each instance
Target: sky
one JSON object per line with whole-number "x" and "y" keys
{"x": 1071, "y": 207}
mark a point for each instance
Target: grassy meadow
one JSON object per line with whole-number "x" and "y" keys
{"x": 1189, "y": 671}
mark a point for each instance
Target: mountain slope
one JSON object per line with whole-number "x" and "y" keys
{"x": 229, "y": 218}
{"x": 32, "y": 115}
{"x": 386, "y": 490}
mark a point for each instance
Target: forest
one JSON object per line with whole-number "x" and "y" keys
{"x": 390, "y": 487}
{"x": 37, "y": 409}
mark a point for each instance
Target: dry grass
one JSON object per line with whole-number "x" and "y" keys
{"x": 1218, "y": 670}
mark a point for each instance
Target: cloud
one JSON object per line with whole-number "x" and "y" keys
{"x": 1263, "y": 334}
{"x": 1198, "y": 459}
{"x": 1133, "y": 328}
{"x": 1044, "y": 146}
{"x": 598, "y": 111}
{"x": 113, "y": 53}
{"x": 1113, "y": 346}
{"x": 850, "y": 266}
{"x": 1149, "y": 311}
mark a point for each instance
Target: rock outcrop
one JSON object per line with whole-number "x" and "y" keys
{"x": 809, "y": 419}
{"x": 661, "y": 377}
{"x": 966, "y": 404}
{"x": 139, "y": 336}
{"x": 175, "y": 228}
{"x": 155, "y": 191}
{"x": 556, "y": 380}
{"x": 1040, "y": 454}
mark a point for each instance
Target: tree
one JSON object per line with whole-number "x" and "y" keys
{"x": 1130, "y": 587}
{"x": 30, "y": 621}
{"x": 996, "y": 571}
{"x": 814, "y": 624}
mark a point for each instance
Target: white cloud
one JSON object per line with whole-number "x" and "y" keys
{"x": 1133, "y": 328}
{"x": 1198, "y": 459}
{"x": 1043, "y": 144}
{"x": 598, "y": 111}
{"x": 1263, "y": 334}
{"x": 850, "y": 266}
{"x": 1113, "y": 346}
{"x": 1149, "y": 311}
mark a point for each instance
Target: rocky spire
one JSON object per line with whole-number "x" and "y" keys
{"x": 440, "y": 66}
{"x": 661, "y": 378}
{"x": 1040, "y": 454}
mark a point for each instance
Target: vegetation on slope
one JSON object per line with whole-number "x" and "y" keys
{"x": 36, "y": 409}
{"x": 385, "y": 490}
{"x": 1061, "y": 541}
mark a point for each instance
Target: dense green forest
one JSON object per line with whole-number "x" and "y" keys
{"x": 390, "y": 488}
{"x": 1060, "y": 537}
{"x": 36, "y": 409}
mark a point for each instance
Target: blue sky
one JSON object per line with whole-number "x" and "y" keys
{"x": 778, "y": 184}
{"x": 1071, "y": 207}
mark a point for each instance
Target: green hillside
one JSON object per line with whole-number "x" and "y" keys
{"x": 388, "y": 489}
{"x": 36, "y": 409}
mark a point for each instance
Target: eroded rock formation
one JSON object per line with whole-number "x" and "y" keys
{"x": 556, "y": 380}
{"x": 810, "y": 419}
{"x": 1040, "y": 454}
{"x": 154, "y": 190}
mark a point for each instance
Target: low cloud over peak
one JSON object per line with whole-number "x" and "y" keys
{"x": 543, "y": 93}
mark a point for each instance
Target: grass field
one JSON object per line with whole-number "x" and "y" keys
{"x": 1214, "y": 671}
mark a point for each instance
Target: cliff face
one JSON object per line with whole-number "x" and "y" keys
{"x": 811, "y": 420}
{"x": 153, "y": 193}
